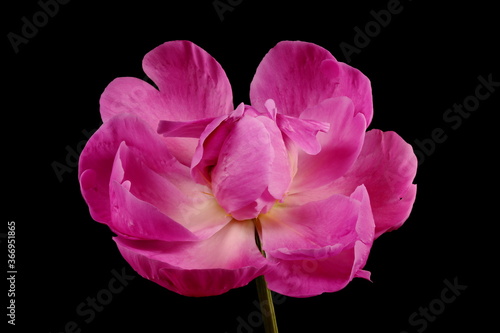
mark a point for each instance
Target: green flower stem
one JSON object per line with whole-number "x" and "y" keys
{"x": 266, "y": 306}
{"x": 265, "y": 297}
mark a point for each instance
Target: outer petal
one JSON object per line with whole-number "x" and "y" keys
{"x": 136, "y": 183}
{"x": 340, "y": 146}
{"x": 229, "y": 259}
{"x": 192, "y": 86}
{"x": 319, "y": 228}
{"x": 165, "y": 205}
{"x": 298, "y": 75}
{"x": 386, "y": 166}
{"x": 132, "y": 95}
{"x": 322, "y": 268}
{"x": 97, "y": 158}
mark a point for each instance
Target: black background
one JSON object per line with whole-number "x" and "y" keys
{"x": 425, "y": 60}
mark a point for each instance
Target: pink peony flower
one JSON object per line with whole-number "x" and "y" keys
{"x": 186, "y": 181}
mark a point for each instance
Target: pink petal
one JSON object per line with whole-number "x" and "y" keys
{"x": 252, "y": 171}
{"x": 193, "y": 83}
{"x": 210, "y": 143}
{"x": 196, "y": 88}
{"x": 303, "y": 132}
{"x": 318, "y": 228}
{"x": 387, "y": 167}
{"x": 127, "y": 157}
{"x": 229, "y": 259}
{"x": 340, "y": 146}
{"x": 357, "y": 87}
{"x": 164, "y": 205}
{"x": 132, "y": 95}
{"x": 312, "y": 277}
{"x": 97, "y": 158}
{"x": 298, "y": 75}
{"x": 185, "y": 129}
{"x": 328, "y": 249}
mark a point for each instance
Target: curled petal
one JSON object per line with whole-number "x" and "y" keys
{"x": 229, "y": 259}
{"x": 164, "y": 205}
{"x": 192, "y": 86}
{"x": 132, "y": 95}
{"x": 97, "y": 158}
{"x": 340, "y": 146}
{"x": 193, "y": 83}
{"x": 328, "y": 250}
{"x": 387, "y": 166}
{"x": 210, "y": 144}
{"x": 129, "y": 179}
{"x": 312, "y": 277}
{"x": 184, "y": 129}
{"x": 252, "y": 168}
{"x": 298, "y": 75}
{"x": 312, "y": 230}
{"x": 303, "y": 132}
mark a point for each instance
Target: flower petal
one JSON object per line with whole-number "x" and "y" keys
{"x": 127, "y": 157}
{"x": 358, "y": 88}
{"x": 229, "y": 259}
{"x": 386, "y": 166}
{"x": 192, "y": 86}
{"x": 303, "y": 132}
{"x": 252, "y": 165}
{"x": 193, "y": 83}
{"x": 97, "y": 158}
{"x": 323, "y": 260}
{"x": 298, "y": 75}
{"x": 340, "y": 146}
{"x": 312, "y": 277}
{"x": 131, "y": 95}
{"x": 164, "y": 205}
{"x": 312, "y": 230}
{"x": 185, "y": 129}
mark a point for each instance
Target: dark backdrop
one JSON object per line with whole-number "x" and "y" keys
{"x": 435, "y": 274}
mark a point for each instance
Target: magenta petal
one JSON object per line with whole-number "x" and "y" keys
{"x": 298, "y": 75}
{"x": 165, "y": 204}
{"x": 340, "y": 146}
{"x": 192, "y": 86}
{"x": 229, "y": 259}
{"x": 236, "y": 181}
{"x": 252, "y": 165}
{"x": 138, "y": 219}
{"x": 324, "y": 260}
{"x": 132, "y": 95}
{"x": 207, "y": 152}
{"x": 97, "y": 158}
{"x": 312, "y": 230}
{"x": 193, "y": 83}
{"x": 302, "y": 132}
{"x": 312, "y": 277}
{"x": 386, "y": 166}
{"x": 185, "y": 129}
{"x": 128, "y": 179}
{"x": 291, "y": 75}
{"x": 128, "y": 95}
{"x": 357, "y": 87}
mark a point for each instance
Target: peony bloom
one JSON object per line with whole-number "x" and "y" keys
{"x": 186, "y": 181}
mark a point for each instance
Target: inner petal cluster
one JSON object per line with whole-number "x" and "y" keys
{"x": 244, "y": 156}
